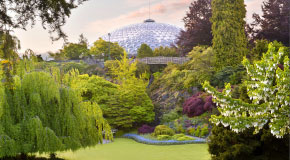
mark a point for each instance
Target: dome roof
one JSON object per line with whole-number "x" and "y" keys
{"x": 153, "y": 34}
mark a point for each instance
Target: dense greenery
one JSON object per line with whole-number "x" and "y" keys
{"x": 101, "y": 48}
{"x": 269, "y": 90}
{"x": 40, "y": 113}
{"x": 165, "y": 52}
{"x": 225, "y": 144}
{"x": 125, "y": 104}
{"x": 229, "y": 39}
{"x": 144, "y": 51}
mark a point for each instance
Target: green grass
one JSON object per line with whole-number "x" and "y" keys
{"x": 127, "y": 149}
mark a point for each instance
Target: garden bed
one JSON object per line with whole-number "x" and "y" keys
{"x": 144, "y": 140}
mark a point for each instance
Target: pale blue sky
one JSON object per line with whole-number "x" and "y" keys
{"x": 98, "y": 17}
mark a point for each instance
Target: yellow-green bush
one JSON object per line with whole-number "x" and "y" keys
{"x": 163, "y": 130}
{"x": 163, "y": 137}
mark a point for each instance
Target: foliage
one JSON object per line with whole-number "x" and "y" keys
{"x": 197, "y": 131}
{"x": 101, "y": 50}
{"x": 197, "y": 26}
{"x": 163, "y": 130}
{"x": 8, "y": 45}
{"x": 228, "y": 74}
{"x": 52, "y": 14}
{"x": 226, "y": 144}
{"x": 145, "y": 129}
{"x": 261, "y": 47}
{"x": 274, "y": 23}
{"x": 201, "y": 64}
{"x": 42, "y": 114}
{"x": 75, "y": 50}
{"x": 144, "y": 51}
{"x": 204, "y": 131}
{"x": 165, "y": 52}
{"x": 197, "y": 105}
{"x": 182, "y": 137}
{"x": 171, "y": 116}
{"x": 229, "y": 39}
{"x": 191, "y": 130}
{"x": 268, "y": 88}
{"x": 163, "y": 137}
{"x": 130, "y": 105}
{"x": 142, "y": 70}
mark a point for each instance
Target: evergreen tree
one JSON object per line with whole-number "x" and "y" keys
{"x": 144, "y": 51}
{"x": 229, "y": 39}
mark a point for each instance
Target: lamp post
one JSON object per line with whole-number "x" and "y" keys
{"x": 109, "y": 34}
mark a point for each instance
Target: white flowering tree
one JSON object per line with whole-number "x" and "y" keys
{"x": 268, "y": 88}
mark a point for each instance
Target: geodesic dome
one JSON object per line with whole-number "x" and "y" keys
{"x": 153, "y": 34}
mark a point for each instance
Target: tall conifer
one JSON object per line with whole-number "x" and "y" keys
{"x": 229, "y": 39}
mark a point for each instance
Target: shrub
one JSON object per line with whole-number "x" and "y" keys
{"x": 182, "y": 137}
{"x": 198, "y": 104}
{"x": 176, "y": 136}
{"x": 163, "y": 137}
{"x": 185, "y": 138}
{"x": 163, "y": 130}
{"x": 225, "y": 144}
{"x": 178, "y": 127}
{"x": 197, "y": 132}
{"x": 145, "y": 129}
{"x": 204, "y": 131}
{"x": 191, "y": 131}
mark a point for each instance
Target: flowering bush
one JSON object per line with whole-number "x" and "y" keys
{"x": 145, "y": 129}
{"x": 198, "y": 104}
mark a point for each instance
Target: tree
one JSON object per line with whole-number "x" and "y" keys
{"x": 197, "y": 26}
{"x": 274, "y": 23}
{"x": 130, "y": 106}
{"x": 268, "y": 88}
{"x": 19, "y": 14}
{"x": 41, "y": 114}
{"x": 228, "y": 29}
{"x": 225, "y": 144}
{"x": 144, "y": 51}
{"x": 75, "y": 50}
{"x": 101, "y": 49}
{"x": 165, "y": 51}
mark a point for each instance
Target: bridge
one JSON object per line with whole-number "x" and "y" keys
{"x": 162, "y": 60}
{"x": 146, "y": 60}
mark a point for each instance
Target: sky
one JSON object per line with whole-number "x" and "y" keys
{"x": 96, "y": 18}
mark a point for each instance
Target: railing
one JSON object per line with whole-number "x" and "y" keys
{"x": 163, "y": 60}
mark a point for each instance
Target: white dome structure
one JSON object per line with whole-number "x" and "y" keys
{"x": 153, "y": 34}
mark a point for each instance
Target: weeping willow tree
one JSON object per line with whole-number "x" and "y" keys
{"x": 41, "y": 114}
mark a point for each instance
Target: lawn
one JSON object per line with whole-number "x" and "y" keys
{"x": 127, "y": 149}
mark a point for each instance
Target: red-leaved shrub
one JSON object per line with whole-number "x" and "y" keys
{"x": 145, "y": 129}
{"x": 197, "y": 105}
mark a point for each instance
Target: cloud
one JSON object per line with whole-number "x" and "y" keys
{"x": 163, "y": 11}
